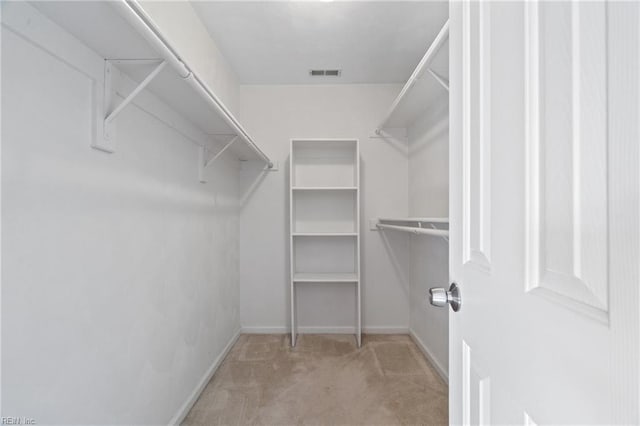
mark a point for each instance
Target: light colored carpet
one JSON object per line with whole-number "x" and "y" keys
{"x": 324, "y": 380}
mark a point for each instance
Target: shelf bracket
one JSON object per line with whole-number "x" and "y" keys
{"x": 204, "y": 162}
{"x": 440, "y": 79}
{"x": 105, "y": 139}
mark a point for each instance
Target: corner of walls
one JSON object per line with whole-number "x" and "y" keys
{"x": 442, "y": 370}
{"x": 429, "y": 256}
{"x": 183, "y": 411}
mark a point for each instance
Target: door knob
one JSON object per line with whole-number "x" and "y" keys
{"x": 438, "y": 296}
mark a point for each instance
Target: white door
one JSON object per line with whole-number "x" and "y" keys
{"x": 544, "y": 212}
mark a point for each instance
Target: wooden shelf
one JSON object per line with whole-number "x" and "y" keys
{"x": 334, "y": 277}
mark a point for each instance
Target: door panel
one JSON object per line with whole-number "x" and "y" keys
{"x": 476, "y": 208}
{"x": 476, "y": 394}
{"x": 544, "y": 212}
{"x": 566, "y": 136}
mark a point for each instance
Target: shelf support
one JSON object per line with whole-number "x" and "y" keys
{"x": 105, "y": 141}
{"x": 203, "y": 162}
{"x": 133, "y": 94}
{"x": 440, "y": 79}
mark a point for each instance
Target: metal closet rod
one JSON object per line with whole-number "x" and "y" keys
{"x": 140, "y": 20}
{"x": 416, "y": 219}
{"x": 414, "y": 230}
{"x": 394, "y": 224}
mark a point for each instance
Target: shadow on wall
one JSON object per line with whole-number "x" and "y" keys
{"x": 253, "y": 174}
{"x": 428, "y": 132}
{"x": 391, "y": 240}
{"x": 395, "y": 137}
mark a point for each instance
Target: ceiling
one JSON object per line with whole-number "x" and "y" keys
{"x": 277, "y": 42}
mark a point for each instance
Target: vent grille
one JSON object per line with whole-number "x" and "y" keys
{"x": 325, "y": 73}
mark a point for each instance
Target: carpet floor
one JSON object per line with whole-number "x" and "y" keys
{"x": 324, "y": 380}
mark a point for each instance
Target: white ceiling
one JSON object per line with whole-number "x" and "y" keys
{"x": 277, "y": 42}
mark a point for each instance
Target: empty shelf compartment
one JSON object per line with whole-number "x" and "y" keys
{"x": 324, "y": 163}
{"x": 325, "y": 212}
{"x": 325, "y": 255}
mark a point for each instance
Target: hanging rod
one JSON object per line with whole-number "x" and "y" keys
{"x": 133, "y": 12}
{"x": 414, "y": 230}
{"x": 416, "y": 219}
{"x": 424, "y": 63}
{"x": 416, "y": 225}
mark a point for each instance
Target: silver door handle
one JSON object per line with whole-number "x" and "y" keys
{"x": 438, "y": 296}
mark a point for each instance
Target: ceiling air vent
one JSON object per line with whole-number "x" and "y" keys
{"x": 325, "y": 73}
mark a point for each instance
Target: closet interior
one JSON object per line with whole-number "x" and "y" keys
{"x": 158, "y": 204}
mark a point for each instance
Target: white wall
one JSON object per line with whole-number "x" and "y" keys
{"x": 429, "y": 161}
{"x": 182, "y": 27}
{"x": 274, "y": 115}
{"x": 119, "y": 271}
{"x": 429, "y": 197}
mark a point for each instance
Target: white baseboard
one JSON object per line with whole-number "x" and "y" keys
{"x": 264, "y": 330}
{"x": 325, "y": 330}
{"x": 186, "y": 407}
{"x": 385, "y": 330}
{"x": 442, "y": 372}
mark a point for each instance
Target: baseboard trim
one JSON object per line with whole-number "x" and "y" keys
{"x": 188, "y": 404}
{"x": 386, "y": 330}
{"x": 325, "y": 330}
{"x": 264, "y": 330}
{"x": 442, "y": 372}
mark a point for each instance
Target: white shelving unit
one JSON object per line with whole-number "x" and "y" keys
{"x": 324, "y": 212}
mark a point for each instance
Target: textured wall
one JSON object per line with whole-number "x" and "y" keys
{"x": 119, "y": 271}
